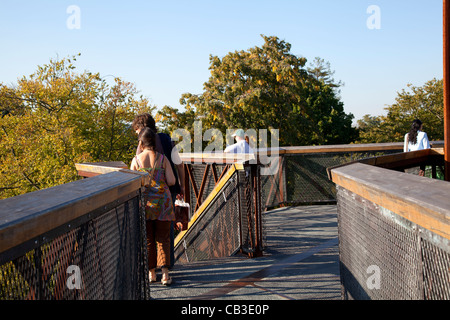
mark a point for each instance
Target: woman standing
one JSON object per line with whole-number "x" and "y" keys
{"x": 159, "y": 211}
{"x": 165, "y": 146}
{"x": 415, "y": 140}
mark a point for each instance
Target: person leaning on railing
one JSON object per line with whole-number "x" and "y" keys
{"x": 159, "y": 210}
{"x": 416, "y": 139}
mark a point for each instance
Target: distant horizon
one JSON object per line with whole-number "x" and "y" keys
{"x": 376, "y": 48}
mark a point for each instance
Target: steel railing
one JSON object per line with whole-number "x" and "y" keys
{"x": 228, "y": 219}
{"x": 81, "y": 240}
{"x": 394, "y": 228}
{"x": 84, "y": 240}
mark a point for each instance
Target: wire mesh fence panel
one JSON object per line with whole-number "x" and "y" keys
{"x": 98, "y": 256}
{"x": 436, "y": 271}
{"x": 306, "y": 177}
{"x": 302, "y": 178}
{"x": 202, "y": 182}
{"x": 273, "y": 192}
{"x": 230, "y": 219}
{"x": 216, "y": 233}
{"x": 386, "y": 257}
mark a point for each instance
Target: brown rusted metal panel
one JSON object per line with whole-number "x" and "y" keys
{"x": 225, "y": 169}
{"x": 187, "y": 189}
{"x": 192, "y": 179}
{"x": 202, "y": 187}
{"x": 214, "y": 172}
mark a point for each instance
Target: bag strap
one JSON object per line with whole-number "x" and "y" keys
{"x": 161, "y": 161}
{"x": 154, "y": 166}
{"x": 138, "y": 162}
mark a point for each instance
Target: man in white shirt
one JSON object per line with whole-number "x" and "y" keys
{"x": 241, "y": 146}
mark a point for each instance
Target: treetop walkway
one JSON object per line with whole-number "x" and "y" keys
{"x": 325, "y": 222}
{"x": 300, "y": 262}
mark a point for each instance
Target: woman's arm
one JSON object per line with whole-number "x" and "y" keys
{"x": 405, "y": 145}
{"x": 133, "y": 165}
{"x": 426, "y": 142}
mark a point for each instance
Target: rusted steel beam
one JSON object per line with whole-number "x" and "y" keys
{"x": 224, "y": 170}
{"x": 257, "y": 209}
{"x": 446, "y": 33}
{"x": 214, "y": 172}
{"x": 202, "y": 186}
{"x": 187, "y": 189}
{"x": 192, "y": 179}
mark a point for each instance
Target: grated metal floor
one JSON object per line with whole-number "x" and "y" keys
{"x": 301, "y": 262}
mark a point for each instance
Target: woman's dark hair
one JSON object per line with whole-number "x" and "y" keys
{"x": 144, "y": 120}
{"x": 415, "y": 127}
{"x": 148, "y": 138}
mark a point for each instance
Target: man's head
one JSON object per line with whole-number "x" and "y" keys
{"x": 239, "y": 135}
{"x": 144, "y": 120}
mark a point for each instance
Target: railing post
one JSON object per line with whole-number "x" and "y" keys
{"x": 187, "y": 187}
{"x": 446, "y": 9}
{"x": 255, "y": 182}
{"x": 251, "y": 195}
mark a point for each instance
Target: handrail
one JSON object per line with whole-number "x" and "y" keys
{"x": 398, "y": 161}
{"x": 229, "y": 219}
{"x": 85, "y": 228}
{"x": 90, "y": 169}
{"x": 216, "y": 157}
{"x": 27, "y": 216}
{"x": 410, "y": 158}
{"x": 427, "y": 205}
{"x": 390, "y": 220}
{"x": 221, "y": 157}
{"x": 351, "y": 147}
{"x": 94, "y": 169}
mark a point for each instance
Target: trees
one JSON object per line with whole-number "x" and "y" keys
{"x": 269, "y": 87}
{"x": 424, "y": 103}
{"x": 321, "y": 70}
{"x": 57, "y": 117}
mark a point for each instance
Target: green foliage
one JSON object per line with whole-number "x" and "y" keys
{"x": 55, "y": 118}
{"x": 424, "y": 103}
{"x": 169, "y": 119}
{"x": 268, "y": 87}
{"x": 321, "y": 70}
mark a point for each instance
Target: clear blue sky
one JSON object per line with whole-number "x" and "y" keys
{"x": 164, "y": 46}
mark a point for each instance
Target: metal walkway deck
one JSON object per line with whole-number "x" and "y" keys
{"x": 300, "y": 263}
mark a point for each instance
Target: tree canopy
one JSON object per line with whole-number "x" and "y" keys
{"x": 268, "y": 87}
{"x": 425, "y": 103}
{"x": 56, "y": 117}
